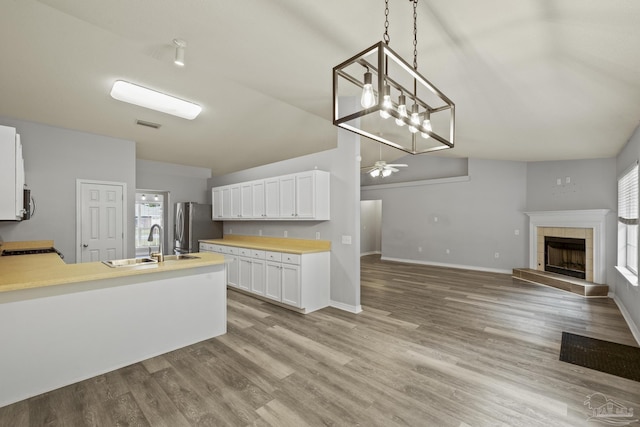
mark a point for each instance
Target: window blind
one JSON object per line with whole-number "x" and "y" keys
{"x": 628, "y": 197}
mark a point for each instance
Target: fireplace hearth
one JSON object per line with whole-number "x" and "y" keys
{"x": 565, "y": 256}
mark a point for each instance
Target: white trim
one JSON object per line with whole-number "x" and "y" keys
{"x": 442, "y": 264}
{"x": 355, "y": 309}
{"x": 587, "y": 218}
{"x": 125, "y": 196}
{"x": 627, "y": 275}
{"x": 635, "y": 331}
{"x": 370, "y": 253}
{"x": 464, "y": 178}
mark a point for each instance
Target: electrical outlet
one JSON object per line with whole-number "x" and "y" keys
{"x": 517, "y": 232}
{"x": 286, "y": 233}
{"x": 496, "y": 255}
{"x": 260, "y": 232}
{"x": 317, "y": 235}
{"x": 448, "y": 251}
{"x": 230, "y": 231}
{"x": 419, "y": 248}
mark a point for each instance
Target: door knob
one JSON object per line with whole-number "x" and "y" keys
{"x": 85, "y": 246}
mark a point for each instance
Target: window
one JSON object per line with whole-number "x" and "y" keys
{"x": 149, "y": 210}
{"x": 628, "y": 220}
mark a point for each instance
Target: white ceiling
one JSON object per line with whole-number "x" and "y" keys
{"x": 531, "y": 79}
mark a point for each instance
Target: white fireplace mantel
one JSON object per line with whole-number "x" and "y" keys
{"x": 586, "y": 218}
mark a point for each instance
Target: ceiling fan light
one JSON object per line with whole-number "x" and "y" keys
{"x": 148, "y": 98}
{"x": 375, "y": 173}
{"x": 386, "y": 172}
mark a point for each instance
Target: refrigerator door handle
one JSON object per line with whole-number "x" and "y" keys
{"x": 179, "y": 225}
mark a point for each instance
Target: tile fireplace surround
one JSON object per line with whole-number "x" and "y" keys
{"x": 584, "y": 224}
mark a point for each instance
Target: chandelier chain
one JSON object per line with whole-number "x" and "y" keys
{"x": 386, "y": 37}
{"x": 415, "y": 34}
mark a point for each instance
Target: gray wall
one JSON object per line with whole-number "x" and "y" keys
{"x": 628, "y": 296}
{"x": 182, "y": 183}
{"x": 471, "y": 218}
{"x": 54, "y": 158}
{"x": 592, "y": 185}
{"x": 343, "y": 164}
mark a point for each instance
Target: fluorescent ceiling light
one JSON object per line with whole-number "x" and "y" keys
{"x": 147, "y": 98}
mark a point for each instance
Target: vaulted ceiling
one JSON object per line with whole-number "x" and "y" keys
{"x": 531, "y": 79}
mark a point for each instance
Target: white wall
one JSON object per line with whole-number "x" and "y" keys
{"x": 345, "y": 213}
{"x": 472, "y": 218}
{"x": 54, "y": 158}
{"x": 626, "y": 295}
{"x": 370, "y": 227}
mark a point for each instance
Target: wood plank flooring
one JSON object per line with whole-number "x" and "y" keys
{"x": 433, "y": 347}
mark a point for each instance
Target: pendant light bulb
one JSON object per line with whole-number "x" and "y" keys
{"x": 427, "y": 125}
{"x": 402, "y": 110}
{"x": 386, "y": 102}
{"x": 368, "y": 98}
{"x": 415, "y": 119}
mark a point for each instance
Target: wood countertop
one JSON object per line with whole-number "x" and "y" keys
{"x": 276, "y": 244}
{"x": 38, "y": 270}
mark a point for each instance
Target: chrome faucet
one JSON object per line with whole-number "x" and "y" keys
{"x": 157, "y": 255}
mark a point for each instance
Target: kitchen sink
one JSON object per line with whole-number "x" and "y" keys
{"x": 129, "y": 262}
{"x": 179, "y": 257}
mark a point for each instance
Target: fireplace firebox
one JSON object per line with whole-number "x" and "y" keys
{"x": 565, "y": 255}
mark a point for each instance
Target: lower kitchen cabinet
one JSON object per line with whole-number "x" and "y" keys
{"x": 297, "y": 280}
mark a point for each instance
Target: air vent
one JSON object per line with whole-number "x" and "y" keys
{"x": 148, "y": 124}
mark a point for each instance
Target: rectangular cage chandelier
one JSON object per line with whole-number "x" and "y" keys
{"x": 398, "y": 106}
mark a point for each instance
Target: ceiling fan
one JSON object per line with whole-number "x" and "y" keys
{"x": 382, "y": 169}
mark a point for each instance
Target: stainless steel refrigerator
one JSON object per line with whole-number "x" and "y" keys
{"x": 193, "y": 223}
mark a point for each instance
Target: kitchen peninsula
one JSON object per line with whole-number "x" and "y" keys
{"x": 63, "y": 323}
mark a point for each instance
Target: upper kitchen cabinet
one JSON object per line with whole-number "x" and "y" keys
{"x": 11, "y": 175}
{"x": 300, "y": 196}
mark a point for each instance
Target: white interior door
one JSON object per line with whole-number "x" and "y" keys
{"x": 100, "y": 221}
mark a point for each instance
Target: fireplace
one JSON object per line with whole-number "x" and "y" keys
{"x": 565, "y": 255}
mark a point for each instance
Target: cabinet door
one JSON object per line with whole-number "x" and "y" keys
{"x": 236, "y": 201}
{"x": 258, "y": 276}
{"x": 216, "y": 199}
{"x": 272, "y": 198}
{"x": 288, "y": 196}
{"x": 226, "y": 203}
{"x": 232, "y": 270}
{"x": 244, "y": 273}
{"x": 258, "y": 199}
{"x": 246, "y": 200}
{"x": 305, "y": 195}
{"x": 273, "y": 280}
{"x": 291, "y": 285}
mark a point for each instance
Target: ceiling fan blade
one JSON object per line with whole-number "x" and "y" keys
{"x": 393, "y": 169}
{"x": 398, "y": 165}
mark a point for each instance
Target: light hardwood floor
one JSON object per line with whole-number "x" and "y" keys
{"x": 433, "y": 347}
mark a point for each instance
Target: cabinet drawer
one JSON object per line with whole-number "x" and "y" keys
{"x": 257, "y": 254}
{"x": 208, "y": 247}
{"x": 217, "y": 248}
{"x": 230, "y": 250}
{"x": 291, "y": 258}
{"x": 273, "y": 256}
{"x": 244, "y": 252}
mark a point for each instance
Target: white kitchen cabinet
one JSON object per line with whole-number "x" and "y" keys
{"x": 272, "y": 198}
{"x": 299, "y": 196}
{"x": 257, "y": 199}
{"x": 216, "y": 200}
{"x": 297, "y": 280}
{"x": 11, "y": 175}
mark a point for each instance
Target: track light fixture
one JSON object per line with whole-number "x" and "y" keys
{"x": 180, "y": 45}
{"x": 431, "y": 121}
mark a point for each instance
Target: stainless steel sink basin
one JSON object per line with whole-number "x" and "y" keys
{"x": 179, "y": 257}
{"x": 130, "y": 262}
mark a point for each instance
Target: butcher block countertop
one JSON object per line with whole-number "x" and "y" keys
{"x": 276, "y": 244}
{"x": 38, "y": 270}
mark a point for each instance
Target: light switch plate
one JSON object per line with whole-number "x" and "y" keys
{"x": 346, "y": 240}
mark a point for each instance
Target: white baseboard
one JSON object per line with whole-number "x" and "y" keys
{"x": 370, "y": 253}
{"x": 442, "y": 264}
{"x": 355, "y": 309}
{"x": 635, "y": 331}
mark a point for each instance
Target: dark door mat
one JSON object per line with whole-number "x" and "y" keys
{"x": 604, "y": 356}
